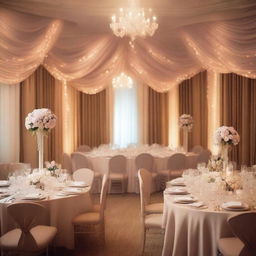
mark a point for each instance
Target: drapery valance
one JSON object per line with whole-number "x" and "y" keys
{"x": 75, "y": 44}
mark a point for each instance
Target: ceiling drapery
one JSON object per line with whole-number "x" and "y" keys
{"x": 72, "y": 39}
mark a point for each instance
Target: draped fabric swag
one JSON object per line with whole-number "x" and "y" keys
{"x": 40, "y": 91}
{"x": 193, "y": 101}
{"x": 92, "y": 120}
{"x": 238, "y": 105}
{"x": 76, "y": 45}
{"x": 157, "y": 117}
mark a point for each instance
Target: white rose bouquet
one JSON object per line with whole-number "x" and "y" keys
{"x": 225, "y": 135}
{"x": 186, "y": 121}
{"x": 40, "y": 119}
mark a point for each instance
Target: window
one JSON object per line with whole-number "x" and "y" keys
{"x": 125, "y": 116}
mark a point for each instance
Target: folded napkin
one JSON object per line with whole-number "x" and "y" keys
{"x": 234, "y": 205}
{"x": 77, "y": 184}
{"x": 33, "y": 196}
{"x": 4, "y": 183}
{"x": 198, "y": 204}
{"x": 184, "y": 199}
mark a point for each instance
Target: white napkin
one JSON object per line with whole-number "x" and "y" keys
{"x": 184, "y": 199}
{"x": 33, "y": 196}
{"x": 176, "y": 191}
{"x": 234, "y": 205}
{"x": 4, "y": 183}
{"x": 77, "y": 184}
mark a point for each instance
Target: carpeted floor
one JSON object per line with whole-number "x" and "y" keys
{"x": 123, "y": 231}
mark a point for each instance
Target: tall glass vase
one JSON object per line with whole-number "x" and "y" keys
{"x": 224, "y": 154}
{"x": 185, "y": 139}
{"x": 40, "y": 149}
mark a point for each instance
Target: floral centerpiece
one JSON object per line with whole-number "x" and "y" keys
{"x": 52, "y": 167}
{"x": 225, "y": 137}
{"x": 186, "y": 123}
{"x": 215, "y": 164}
{"x": 40, "y": 121}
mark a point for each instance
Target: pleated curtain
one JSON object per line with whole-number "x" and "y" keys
{"x": 238, "y": 109}
{"x": 157, "y": 117}
{"x": 193, "y": 101}
{"x": 93, "y": 127}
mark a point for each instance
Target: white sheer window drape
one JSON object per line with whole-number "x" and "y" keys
{"x": 9, "y": 123}
{"x": 126, "y": 125}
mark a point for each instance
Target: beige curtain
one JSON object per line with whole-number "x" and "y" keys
{"x": 40, "y": 91}
{"x": 238, "y": 109}
{"x": 157, "y": 117}
{"x": 193, "y": 101}
{"x": 93, "y": 127}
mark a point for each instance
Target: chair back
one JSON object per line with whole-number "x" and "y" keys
{"x": 26, "y": 215}
{"x": 79, "y": 160}
{"x": 145, "y": 161}
{"x": 177, "y": 161}
{"x": 117, "y": 164}
{"x": 103, "y": 194}
{"x": 145, "y": 182}
{"x": 83, "y": 148}
{"x": 197, "y": 149}
{"x": 84, "y": 174}
{"x": 244, "y": 227}
{"x": 204, "y": 156}
{"x": 66, "y": 162}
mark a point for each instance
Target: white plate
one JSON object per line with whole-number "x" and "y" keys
{"x": 33, "y": 197}
{"x": 184, "y": 200}
{"x": 78, "y": 184}
{"x": 235, "y": 206}
{"x": 176, "y": 191}
{"x": 4, "y": 183}
{"x": 72, "y": 190}
{"x": 177, "y": 182}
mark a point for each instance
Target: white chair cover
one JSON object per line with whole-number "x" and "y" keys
{"x": 117, "y": 164}
{"x": 103, "y": 195}
{"x": 83, "y": 148}
{"x": 66, "y": 162}
{"x": 145, "y": 161}
{"x": 204, "y": 156}
{"x": 244, "y": 227}
{"x": 25, "y": 215}
{"x": 177, "y": 162}
{"x": 197, "y": 149}
{"x": 79, "y": 160}
{"x": 84, "y": 174}
{"x": 145, "y": 181}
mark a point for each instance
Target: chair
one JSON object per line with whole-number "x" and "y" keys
{"x": 27, "y": 238}
{"x": 84, "y": 174}
{"x": 204, "y": 156}
{"x": 96, "y": 216}
{"x": 151, "y": 220}
{"x": 150, "y": 208}
{"x": 117, "y": 172}
{"x": 243, "y": 227}
{"x": 66, "y": 162}
{"x": 83, "y": 148}
{"x": 197, "y": 149}
{"x": 79, "y": 161}
{"x": 175, "y": 166}
{"x": 146, "y": 161}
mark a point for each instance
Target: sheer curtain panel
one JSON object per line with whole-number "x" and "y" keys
{"x": 9, "y": 123}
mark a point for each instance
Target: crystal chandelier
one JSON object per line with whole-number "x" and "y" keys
{"x": 134, "y": 22}
{"x": 122, "y": 81}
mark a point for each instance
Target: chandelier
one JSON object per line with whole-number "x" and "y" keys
{"x": 122, "y": 81}
{"x": 134, "y": 22}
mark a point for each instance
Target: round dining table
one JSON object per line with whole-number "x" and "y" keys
{"x": 60, "y": 212}
{"x": 191, "y": 231}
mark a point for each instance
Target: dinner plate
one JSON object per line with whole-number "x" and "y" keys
{"x": 184, "y": 200}
{"x": 72, "y": 191}
{"x": 4, "y": 183}
{"x": 177, "y": 182}
{"x": 78, "y": 184}
{"x": 176, "y": 191}
{"x": 34, "y": 197}
{"x": 235, "y": 206}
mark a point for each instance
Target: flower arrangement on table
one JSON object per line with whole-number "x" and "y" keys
{"x": 225, "y": 135}
{"x": 186, "y": 121}
{"x": 40, "y": 121}
{"x": 215, "y": 164}
{"x": 52, "y": 167}
{"x": 233, "y": 182}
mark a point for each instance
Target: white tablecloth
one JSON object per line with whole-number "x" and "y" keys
{"x": 61, "y": 212}
{"x": 101, "y": 164}
{"x": 192, "y": 232}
